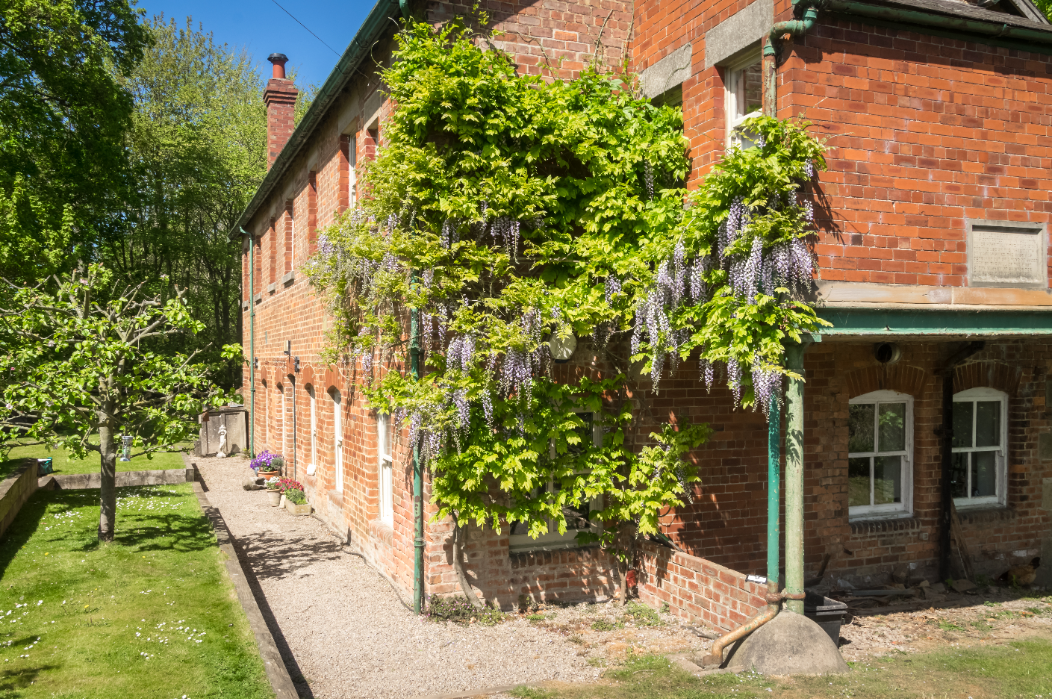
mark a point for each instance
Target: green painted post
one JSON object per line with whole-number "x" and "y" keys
{"x": 794, "y": 478}
{"x": 251, "y": 342}
{"x": 774, "y": 457}
{"x": 418, "y": 474}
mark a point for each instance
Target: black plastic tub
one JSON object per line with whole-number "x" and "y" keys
{"x": 827, "y": 613}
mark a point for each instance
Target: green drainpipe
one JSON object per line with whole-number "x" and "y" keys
{"x": 251, "y": 341}
{"x": 774, "y": 457}
{"x": 772, "y": 48}
{"x": 418, "y": 472}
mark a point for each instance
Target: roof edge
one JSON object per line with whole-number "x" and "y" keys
{"x": 339, "y": 77}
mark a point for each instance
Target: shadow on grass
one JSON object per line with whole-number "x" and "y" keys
{"x": 143, "y": 530}
{"x": 11, "y": 681}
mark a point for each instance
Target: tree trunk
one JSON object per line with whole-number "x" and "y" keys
{"x": 108, "y": 495}
{"x": 462, "y": 578}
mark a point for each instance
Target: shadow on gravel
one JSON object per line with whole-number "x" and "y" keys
{"x": 295, "y": 673}
{"x": 276, "y": 556}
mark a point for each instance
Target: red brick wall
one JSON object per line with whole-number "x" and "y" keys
{"x": 551, "y": 37}
{"x": 696, "y": 589}
{"x": 925, "y": 132}
{"x": 727, "y": 523}
{"x": 726, "y": 526}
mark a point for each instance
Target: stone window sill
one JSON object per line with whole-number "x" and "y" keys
{"x": 982, "y": 515}
{"x": 272, "y": 288}
{"x": 288, "y": 278}
{"x": 259, "y": 298}
{"x": 904, "y": 523}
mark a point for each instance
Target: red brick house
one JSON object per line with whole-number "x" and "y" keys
{"x": 933, "y": 254}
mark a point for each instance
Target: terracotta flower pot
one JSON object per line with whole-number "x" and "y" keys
{"x": 269, "y": 475}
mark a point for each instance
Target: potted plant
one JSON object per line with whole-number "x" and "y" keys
{"x": 267, "y": 464}
{"x": 274, "y": 492}
{"x": 296, "y": 502}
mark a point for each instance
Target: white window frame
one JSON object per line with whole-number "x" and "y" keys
{"x": 352, "y": 179}
{"x": 734, "y": 93}
{"x": 337, "y": 438}
{"x": 553, "y": 539}
{"x": 385, "y": 468}
{"x": 313, "y": 465}
{"x": 292, "y": 250}
{"x": 986, "y": 395}
{"x": 891, "y": 510}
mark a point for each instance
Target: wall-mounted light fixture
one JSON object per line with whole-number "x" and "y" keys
{"x": 562, "y": 347}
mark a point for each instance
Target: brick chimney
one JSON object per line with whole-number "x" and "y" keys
{"x": 280, "y": 98}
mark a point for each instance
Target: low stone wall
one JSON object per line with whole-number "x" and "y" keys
{"x": 697, "y": 589}
{"x": 15, "y": 490}
{"x": 88, "y": 481}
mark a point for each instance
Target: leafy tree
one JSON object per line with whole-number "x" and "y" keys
{"x": 63, "y": 116}
{"x": 198, "y": 152}
{"x": 1045, "y": 6}
{"x": 79, "y": 362}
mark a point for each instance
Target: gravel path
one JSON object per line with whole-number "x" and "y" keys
{"x": 344, "y": 629}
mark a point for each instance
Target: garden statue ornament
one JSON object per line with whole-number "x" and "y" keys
{"x": 221, "y": 454}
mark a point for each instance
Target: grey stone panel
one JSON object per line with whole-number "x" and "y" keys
{"x": 738, "y": 32}
{"x": 667, "y": 73}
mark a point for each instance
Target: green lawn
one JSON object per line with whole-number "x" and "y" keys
{"x": 63, "y": 464}
{"x": 1018, "y": 669}
{"x": 150, "y": 615}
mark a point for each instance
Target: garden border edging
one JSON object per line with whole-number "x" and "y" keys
{"x": 125, "y": 479}
{"x": 15, "y": 490}
{"x": 277, "y": 673}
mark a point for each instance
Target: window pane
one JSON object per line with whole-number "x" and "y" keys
{"x": 585, "y": 434}
{"x": 984, "y": 475}
{"x": 892, "y": 427}
{"x": 576, "y": 516}
{"x": 522, "y": 528}
{"x": 858, "y": 480}
{"x": 752, "y": 79}
{"x": 887, "y": 480}
{"x": 959, "y": 475}
{"x": 860, "y": 432}
{"x": 988, "y": 423}
{"x": 962, "y": 424}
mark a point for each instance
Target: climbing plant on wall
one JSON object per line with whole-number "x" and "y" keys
{"x": 508, "y": 210}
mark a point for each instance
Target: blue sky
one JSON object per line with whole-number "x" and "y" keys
{"x": 262, "y": 28}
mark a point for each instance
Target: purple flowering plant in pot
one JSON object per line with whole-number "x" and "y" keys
{"x": 267, "y": 462}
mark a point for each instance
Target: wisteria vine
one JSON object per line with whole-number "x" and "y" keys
{"x": 504, "y": 211}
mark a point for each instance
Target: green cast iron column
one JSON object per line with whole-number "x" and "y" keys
{"x": 251, "y": 342}
{"x": 418, "y": 473}
{"x": 774, "y": 457}
{"x": 794, "y": 478}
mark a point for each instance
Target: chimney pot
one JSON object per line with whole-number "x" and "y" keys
{"x": 279, "y": 60}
